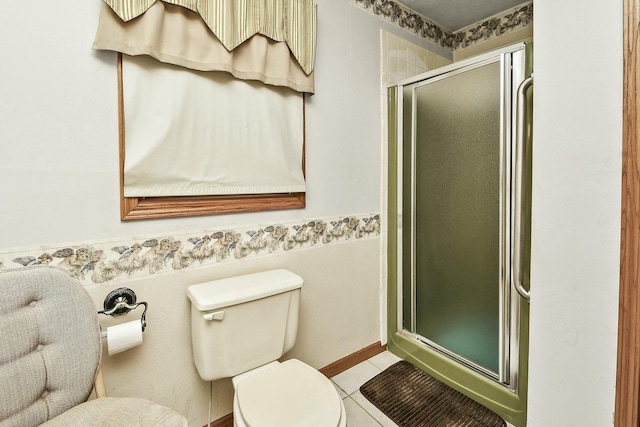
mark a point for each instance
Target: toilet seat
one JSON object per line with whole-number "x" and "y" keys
{"x": 287, "y": 394}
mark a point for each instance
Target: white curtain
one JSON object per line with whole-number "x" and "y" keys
{"x": 196, "y": 133}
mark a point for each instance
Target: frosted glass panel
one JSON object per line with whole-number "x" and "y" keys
{"x": 457, "y": 214}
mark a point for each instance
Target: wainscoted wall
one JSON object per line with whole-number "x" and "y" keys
{"x": 337, "y": 258}
{"x": 339, "y": 315}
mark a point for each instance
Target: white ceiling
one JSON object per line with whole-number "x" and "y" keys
{"x": 456, "y": 14}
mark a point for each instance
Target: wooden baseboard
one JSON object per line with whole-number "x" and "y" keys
{"x": 226, "y": 421}
{"x": 352, "y": 360}
{"x": 329, "y": 371}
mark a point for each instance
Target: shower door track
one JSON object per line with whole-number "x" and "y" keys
{"x": 462, "y": 360}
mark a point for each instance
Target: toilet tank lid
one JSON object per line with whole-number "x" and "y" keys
{"x": 236, "y": 290}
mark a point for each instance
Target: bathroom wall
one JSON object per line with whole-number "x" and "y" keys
{"x": 59, "y": 155}
{"x": 59, "y": 174}
{"x": 577, "y": 132}
{"x": 60, "y": 195}
{"x": 338, "y": 316}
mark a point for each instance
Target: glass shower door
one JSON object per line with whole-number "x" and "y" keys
{"x": 457, "y": 214}
{"x": 459, "y": 225}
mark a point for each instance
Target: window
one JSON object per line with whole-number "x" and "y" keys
{"x": 133, "y": 208}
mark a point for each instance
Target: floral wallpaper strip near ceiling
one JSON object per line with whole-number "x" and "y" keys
{"x": 516, "y": 18}
{"x": 101, "y": 262}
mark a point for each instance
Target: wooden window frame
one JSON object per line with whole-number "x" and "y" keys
{"x": 137, "y": 208}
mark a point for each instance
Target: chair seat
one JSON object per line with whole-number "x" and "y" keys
{"x": 118, "y": 412}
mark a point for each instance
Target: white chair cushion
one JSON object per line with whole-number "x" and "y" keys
{"x": 118, "y": 412}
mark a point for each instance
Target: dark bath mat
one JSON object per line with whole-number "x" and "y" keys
{"x": 411, "y": 398}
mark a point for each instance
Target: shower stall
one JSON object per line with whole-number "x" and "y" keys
{"x": 459, "y": 225}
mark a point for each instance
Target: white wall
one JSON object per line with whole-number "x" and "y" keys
{"x": 59, "y": 142}
{"x": 576, "y": 212}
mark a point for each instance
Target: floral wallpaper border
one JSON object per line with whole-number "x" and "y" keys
{"x": 102, "y": 262}
{"x": 513, "y": 19}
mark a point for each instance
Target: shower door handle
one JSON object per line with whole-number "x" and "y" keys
{"x": 520, "y": 183}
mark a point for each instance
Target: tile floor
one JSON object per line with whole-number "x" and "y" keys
{"x": 360, "y": 412}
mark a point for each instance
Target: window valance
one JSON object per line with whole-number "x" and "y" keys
{"x": 176, "y": 35}
{"x": 235, "y": 21}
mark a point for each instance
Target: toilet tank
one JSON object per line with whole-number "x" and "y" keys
{"x": 242, "y": 322}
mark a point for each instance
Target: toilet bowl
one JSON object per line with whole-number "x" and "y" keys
{"x": 240, "y": 326}
{"x": 288, "y": 394}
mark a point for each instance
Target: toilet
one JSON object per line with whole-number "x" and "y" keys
{"x": 240, "y": 327}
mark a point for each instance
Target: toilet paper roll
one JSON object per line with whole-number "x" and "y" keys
{"x": 124, "y": 336}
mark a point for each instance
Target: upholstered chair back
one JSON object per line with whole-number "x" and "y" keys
{"x": 50, "y": 345}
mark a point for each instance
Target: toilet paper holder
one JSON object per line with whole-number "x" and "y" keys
{"x": 121, "y": 301}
